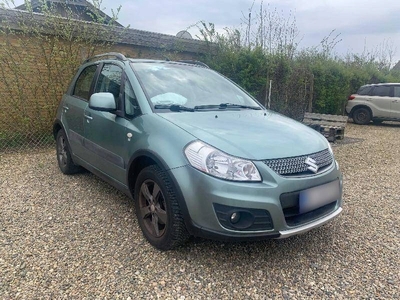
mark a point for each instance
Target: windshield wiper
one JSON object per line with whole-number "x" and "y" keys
{"x": 173, "y": 107}
{"x": 225, "y": 106}
{"x": 177, "y": 107}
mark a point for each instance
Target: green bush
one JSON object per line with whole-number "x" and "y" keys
{"x": 312, "y": 79}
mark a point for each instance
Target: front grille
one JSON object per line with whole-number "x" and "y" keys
{"x": 296, "y": 166}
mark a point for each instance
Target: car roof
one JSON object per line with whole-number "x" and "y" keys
{"x": 115, "y": 56}
{"x": 378, "y": 84}
{"x": 186, "y": 62}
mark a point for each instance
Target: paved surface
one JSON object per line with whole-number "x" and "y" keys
{"x": 77, "y": 237}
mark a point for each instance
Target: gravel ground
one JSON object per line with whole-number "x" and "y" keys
{"x": 77, "y": 237}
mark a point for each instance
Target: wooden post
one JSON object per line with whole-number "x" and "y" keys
{"x": 310, "y": 100}
{"x": 269, "y": 94}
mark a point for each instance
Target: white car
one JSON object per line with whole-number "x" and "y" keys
{"x": 376, "y": 102}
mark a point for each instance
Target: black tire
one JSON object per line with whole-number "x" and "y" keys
{"x": 157, "y": 209}
{"x": 64, "y": 158}
{"x": 362, "y": 116}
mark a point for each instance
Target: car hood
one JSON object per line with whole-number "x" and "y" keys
{"x": 255, "y": 135}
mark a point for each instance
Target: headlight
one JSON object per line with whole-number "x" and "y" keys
{"x": 331, "y": 151}
{"x": 219, "y": 164}
{"x": 330, "y": 148}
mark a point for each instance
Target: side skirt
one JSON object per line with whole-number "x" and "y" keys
{"x": 118, "y": 185}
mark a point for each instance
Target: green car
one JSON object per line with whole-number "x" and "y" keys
{"x": 198, "y": 155}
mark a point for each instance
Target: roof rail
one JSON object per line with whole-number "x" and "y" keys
{"x": 116, "y": 55}
{"x": 194, "y": 62}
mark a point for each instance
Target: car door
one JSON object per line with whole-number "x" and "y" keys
{"x": 395, "y": 108}
{"x": 381, "y": 100}
{"x": 105, "y": 132}
{"x": 74, "y": 104}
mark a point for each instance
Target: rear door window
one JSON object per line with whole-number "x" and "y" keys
{"x": 381, "y": 91}
{"x": 84, "y": 83}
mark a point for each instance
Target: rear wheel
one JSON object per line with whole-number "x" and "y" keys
{"x": 362, "y": 116}
{"x": 64, "y": 158}
{"x": 157, "y": 209}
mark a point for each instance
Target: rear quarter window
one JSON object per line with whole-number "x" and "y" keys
{"x": 364, "y": 90}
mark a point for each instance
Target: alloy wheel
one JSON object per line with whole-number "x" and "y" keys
{"x": 362, "y": 116}
{"x": 152, "y": 207}
{"x": 62, "y": 151}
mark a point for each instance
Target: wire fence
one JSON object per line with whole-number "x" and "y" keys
{"x": 10, "y": 142}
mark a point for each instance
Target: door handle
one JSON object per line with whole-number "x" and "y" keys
{"x": 88, "y": 117}
{"x": 395, "y": 101}
{"x": 66, "y": 108}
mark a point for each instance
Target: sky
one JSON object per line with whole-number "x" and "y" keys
{"x": 362, "y": 24}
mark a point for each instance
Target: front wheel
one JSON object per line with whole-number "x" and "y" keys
{"x": 362, "y": 116}
{"x": 157, "y": 209}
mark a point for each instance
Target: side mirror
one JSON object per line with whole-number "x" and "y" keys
{"x": 103, "y": 102}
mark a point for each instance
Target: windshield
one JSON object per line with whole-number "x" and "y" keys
{"x": 188, "y": 86}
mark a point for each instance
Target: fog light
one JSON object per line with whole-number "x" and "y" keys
{"x": 235, "y": 217}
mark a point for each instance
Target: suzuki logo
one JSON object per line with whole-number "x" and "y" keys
{"x": 312, "y": 165}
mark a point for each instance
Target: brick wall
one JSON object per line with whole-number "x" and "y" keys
{"x": 34, "y": 72}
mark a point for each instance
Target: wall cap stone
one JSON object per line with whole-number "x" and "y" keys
{"x": 11, "y": 18}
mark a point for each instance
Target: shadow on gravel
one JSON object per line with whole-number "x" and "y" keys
{"x": 387, "y": 125}
{"x": 393, "y": 124}
{"x": 312, "y": 246}
{"x": 346, "y": 141}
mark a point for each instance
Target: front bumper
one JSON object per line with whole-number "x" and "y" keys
{"x": 307, "y": 227}
{"x": 201, "y": 194}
